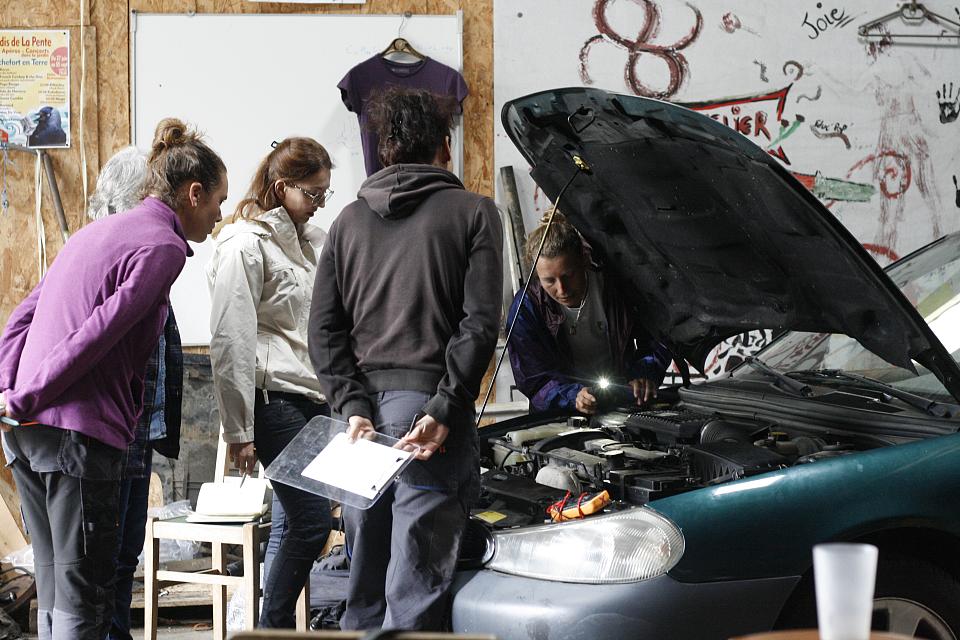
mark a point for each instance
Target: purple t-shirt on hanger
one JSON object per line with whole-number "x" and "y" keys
{"x": 379, "y": 72}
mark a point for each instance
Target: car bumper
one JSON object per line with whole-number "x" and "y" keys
{"x": 513, "y": 607}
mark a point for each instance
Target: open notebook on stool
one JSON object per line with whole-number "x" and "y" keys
{"x": 231, "y": 500}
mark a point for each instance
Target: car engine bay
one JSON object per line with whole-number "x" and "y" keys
{"x": 529, "y": 464}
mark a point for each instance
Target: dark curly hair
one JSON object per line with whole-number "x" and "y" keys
{"x": 411, "y": 123}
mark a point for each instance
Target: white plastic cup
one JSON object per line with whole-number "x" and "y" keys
{"x": 844, "y": 574}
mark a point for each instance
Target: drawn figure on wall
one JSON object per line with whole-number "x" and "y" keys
{"x": 49, "y": 131}
{"x": 902, "y": 162}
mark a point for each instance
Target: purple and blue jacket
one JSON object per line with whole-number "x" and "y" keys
{"x": 541, "y": 358}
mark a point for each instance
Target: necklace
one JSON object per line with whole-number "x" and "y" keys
{"x": 583, "y": 303}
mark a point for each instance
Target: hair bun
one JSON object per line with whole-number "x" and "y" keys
{"x": 557, "y": 217}
{"x": 170, "y": 132}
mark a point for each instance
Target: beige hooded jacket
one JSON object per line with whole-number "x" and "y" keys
{"x": 261, "y": 283}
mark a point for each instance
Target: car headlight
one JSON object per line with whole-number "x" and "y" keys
{"x": 627, "y": 546}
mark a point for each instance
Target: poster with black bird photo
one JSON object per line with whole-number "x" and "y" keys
{"x": 35, "y": 87}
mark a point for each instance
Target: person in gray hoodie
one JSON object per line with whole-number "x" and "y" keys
{"x": 403, "y": 323}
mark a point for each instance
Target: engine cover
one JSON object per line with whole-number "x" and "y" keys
{"x": 718, "y": 462}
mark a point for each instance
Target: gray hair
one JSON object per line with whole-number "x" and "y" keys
{"x": 120, "y": 183}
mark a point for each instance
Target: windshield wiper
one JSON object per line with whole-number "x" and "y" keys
{"x": 783, "y": 381}
{"x": 928, "y": 406}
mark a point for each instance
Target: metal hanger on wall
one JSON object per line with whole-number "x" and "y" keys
{"x": 401, "y": 44}
{"x": 912, "y": 14}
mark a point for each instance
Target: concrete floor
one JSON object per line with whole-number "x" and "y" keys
{"x": 180, "y": 633}
{"x": 166, "y": 633}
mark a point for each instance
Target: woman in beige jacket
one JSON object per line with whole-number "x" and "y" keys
{"x": 261, "y": 281}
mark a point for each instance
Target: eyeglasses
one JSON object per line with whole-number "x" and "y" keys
{"x": 316, "y": 198}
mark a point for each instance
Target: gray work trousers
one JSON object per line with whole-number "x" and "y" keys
{"x": 404, "y": 548}
{"x": 69, "y": 486}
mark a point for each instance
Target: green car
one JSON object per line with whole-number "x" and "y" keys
{"x": 844, "y": 428}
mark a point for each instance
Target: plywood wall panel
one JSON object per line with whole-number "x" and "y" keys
{"x": 40, "y": 15}
{"x": 478, "y": 111}
{"x": 113, "y": 74}
{"x": 18, "y": 231}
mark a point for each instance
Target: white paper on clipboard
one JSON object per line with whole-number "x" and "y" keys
{"x": 361, "y": 467}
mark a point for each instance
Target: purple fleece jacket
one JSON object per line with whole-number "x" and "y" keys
{"x": 74, "y": 352}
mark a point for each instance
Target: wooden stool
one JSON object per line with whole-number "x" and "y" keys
{"x": 248, "y": 535}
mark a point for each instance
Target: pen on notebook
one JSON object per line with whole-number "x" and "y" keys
{"x": 243, "y": 477}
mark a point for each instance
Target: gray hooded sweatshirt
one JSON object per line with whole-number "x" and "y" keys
{"x": 407, "y": 294}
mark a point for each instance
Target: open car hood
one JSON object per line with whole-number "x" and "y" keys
{"x": 710, "y": 234}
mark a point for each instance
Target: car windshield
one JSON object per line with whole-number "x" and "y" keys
{"x": 930, "y": 280}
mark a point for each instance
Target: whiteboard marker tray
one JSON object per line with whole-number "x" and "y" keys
{"x": 321, "y": 459}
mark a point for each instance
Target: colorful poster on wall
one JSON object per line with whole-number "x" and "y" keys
{"x": 35, "y": 87}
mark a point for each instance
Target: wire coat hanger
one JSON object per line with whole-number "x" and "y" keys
{"x": 912, "y": 13}
{"x": 401, "y": 44}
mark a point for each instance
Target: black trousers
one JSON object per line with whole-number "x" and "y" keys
{"x": 69, "y": 488}
{"x": 404, "y": 548}
{"x": 308, "y": 518}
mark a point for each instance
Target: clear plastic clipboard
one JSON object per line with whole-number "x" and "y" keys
{"x": 322, "y": 460}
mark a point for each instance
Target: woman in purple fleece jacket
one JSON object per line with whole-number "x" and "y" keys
{"x": 72, "y": 363}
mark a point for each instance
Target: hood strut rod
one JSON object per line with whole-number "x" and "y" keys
{"x": 581, "y": 166}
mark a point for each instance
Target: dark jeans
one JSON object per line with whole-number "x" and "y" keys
{"x": 404, "y": 548}
{"x": 278, "y": 531}
{"x": 275, "y": 424}
{"x": 69, "y": 492}
{"x": 134, "y": 493}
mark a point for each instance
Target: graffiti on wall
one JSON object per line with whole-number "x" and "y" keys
{"x": 949, "y": 104}
{"x": 903, "y": 162}
{"x": 643, "y": 45}
{"x": 836, "y": 18}
{"x": 826, "y": 130}
{"x": 731, "y": 23}
{"x": 727, "y": 355}
{"x": 753, "y": 116}
{"x": 800, "y": 85}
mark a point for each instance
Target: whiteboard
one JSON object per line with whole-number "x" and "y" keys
{"x": 246, "y": 80}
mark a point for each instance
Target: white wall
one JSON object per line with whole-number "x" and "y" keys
{"x": 896, "y": 154}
